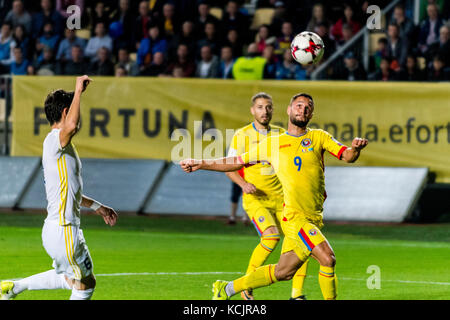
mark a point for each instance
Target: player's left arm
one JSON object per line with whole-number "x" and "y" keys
{"x": 350, "y": 155}
{"x": 108, "y": 214}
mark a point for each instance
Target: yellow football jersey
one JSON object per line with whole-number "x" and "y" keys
{"x": 260, "y": 174}
{"x": 298, "y": 163}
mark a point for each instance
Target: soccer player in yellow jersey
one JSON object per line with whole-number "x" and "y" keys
{"x": 297, "y": 158}
{"x": 263, "y": 193}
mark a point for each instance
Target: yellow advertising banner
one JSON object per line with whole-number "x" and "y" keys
{"x": 407, "y": 124}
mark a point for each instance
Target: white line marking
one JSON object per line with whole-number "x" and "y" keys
{"x": 240, "y": 273}
{"x": 162, "y": 274}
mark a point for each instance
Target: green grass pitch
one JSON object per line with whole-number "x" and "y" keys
{"x": 170, "y": 258}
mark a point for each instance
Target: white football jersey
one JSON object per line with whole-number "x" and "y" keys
{"x": 62, "y": 178}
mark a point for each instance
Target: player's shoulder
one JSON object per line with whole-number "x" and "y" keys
{"x": 318, "y": 132}
{"x": 277, "y": 128}
{"x": 52, "y": 139}
{"x": 244, "y": 130}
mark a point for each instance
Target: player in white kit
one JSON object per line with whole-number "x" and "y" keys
{"x": 61, "y": 235}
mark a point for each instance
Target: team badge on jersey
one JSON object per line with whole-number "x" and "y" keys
{"x": 261, "y": 219}
{"x": 312, "y": 232}
{"x": 306, "y": 143}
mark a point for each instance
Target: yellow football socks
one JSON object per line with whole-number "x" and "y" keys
{"x": 328, "y": 282}
{"x": 260, "y": 277}
{"x": 298, "y": 280}
{"x": 262, "y": 251}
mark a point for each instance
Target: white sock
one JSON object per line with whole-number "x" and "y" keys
{"x": 48, "y": 280}
{"x": 81, "y": 294}
{"x": 229, "y": 289}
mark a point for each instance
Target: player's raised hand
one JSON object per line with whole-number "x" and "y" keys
{"x": 359, "y": 144}
{"x": 82, "y": 83}
{"x": 108, "y": 214}
{"x": 190, "y": 165}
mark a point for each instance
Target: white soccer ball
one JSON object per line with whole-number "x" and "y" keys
{"x": 307, "y": 48}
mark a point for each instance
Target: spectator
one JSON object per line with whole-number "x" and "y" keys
{"x": 5, "y": 7}
{"x": 263, "y": 38}
{"x": 155, "y": 43}
{"x": 6, "y": 56}
{"x": 429, "y": 28}
{"x": 48, "y": 39}
{"x": 226, "y": 63}
{"x": 287, "y": 35}
{"x": 76, "y": 66}
{"x": 48, "y": 65}
{"x": 411, "y": 71}
{"x": 318, "y": 17}
{"x": 100, "y": 40}
{"x": 124, "y": 18}
{"x": 234, "y": 41}
{"x": 380, "y": 52}
{"x": 208, "y": 66}
{"x": 157, "y": 67}
{"x": 211, "y": 39}
{"x": 183, "y": 66}
{"x": 186, "y": 36}
{"x": 99, "y": 14}
{"x": 347, "y": 35}
{"x": 65, "y": 47}
{"x": 47, "y": 14}
{"x": 353, "y": 70}
{"x": 102, "y": 66}
{"x": 251, "y": 66}
{"x": 440, "y": 47}
{"x": 233, "y": 19}
{"x": 142, "y": 23}
{"x": 120, "y": 72}
{"x": 20, "y": 65}
{"x": 62, "y": 5}
{"x": 272, "y": 61}
{"x": 20, "y": 39}
{"x": 337, "y": 31}
{"x": 204, "y": 17}
{"x": 123, "y": 60}
{"x": 288, "y": 69}
{"x": 169, "y": 22}
{"x": 18, "y": 15}
{"x": 384, "y": 72}
{"x": 438, "y": 70}
{"x": 330, "y": 46}
{"x": 405, "y": 25}
{"x": 397, "y": 48}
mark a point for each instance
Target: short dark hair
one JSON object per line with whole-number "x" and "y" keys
{"x": 55, "y": 103}
{"x": 261, "y": 95}
{"x": 301, "y": 95}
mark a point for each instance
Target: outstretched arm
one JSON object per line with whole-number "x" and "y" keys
{"x": 350, "y": 155}
{"x": 70, "y": 126}
{"x": 228, "y": 164}
{"x": 108, "y": 214}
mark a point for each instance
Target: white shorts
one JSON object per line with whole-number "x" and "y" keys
{"x": 68, "y": 249}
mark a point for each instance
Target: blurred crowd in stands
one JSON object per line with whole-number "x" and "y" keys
{"x": 219, "y": 39}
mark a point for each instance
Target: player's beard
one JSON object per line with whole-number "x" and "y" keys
{"x": 299, "y": 123}
{"x": 265, "y": 121}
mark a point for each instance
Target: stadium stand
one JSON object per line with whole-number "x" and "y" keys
{"x": 250, "y": 16}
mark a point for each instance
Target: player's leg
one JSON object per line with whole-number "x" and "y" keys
{"x": 324, "y": 254}
{"x": 298, "y": 282}
{"x": 83, "y": 289}
{"x": 236, "y": 192}
{"x": 48, "y": 280}
{"x": 261, "y": 277}
{"x": 268, "y": 232}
